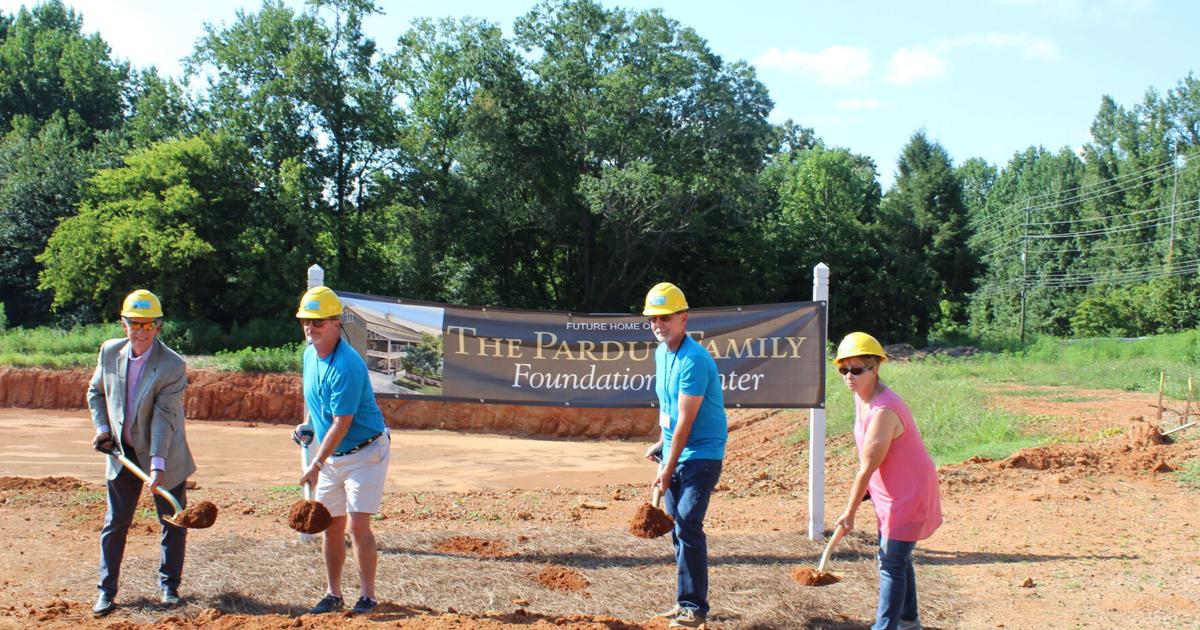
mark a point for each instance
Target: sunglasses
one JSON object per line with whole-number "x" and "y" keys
{"x": 317, "y": 323}
{"x": 660, "y": 318}
{"x": 857, "y": 371}
{"x": 146, "y": 326}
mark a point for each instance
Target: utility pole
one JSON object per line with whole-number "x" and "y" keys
{"x": 1174, "y": 196}
{"x": 1024, "y": 267}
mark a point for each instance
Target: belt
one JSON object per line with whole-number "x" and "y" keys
{"x": 361, "y": 445}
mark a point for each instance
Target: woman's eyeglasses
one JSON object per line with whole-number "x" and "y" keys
{"x": 146, "y": 326}
{"x": 857, "y": 371}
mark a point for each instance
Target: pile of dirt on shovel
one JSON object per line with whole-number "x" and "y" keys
{"x": 812, "y": 577}
{"x": 650, "y": 522}
{"x": 198, "y": 516}
{"x": 309, "y": 517}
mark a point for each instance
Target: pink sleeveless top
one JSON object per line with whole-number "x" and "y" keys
{"x": 904, "y": 490}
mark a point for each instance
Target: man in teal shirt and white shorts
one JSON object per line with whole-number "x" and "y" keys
{"x": 350, "y": 466}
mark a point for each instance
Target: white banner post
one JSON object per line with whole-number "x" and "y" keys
{"x": 816, "y": 425}
{"x": 316, "y": 278}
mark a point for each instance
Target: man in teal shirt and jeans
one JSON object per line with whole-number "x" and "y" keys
{"x": 694, "y": 431}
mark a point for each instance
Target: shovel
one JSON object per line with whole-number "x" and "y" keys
{"x": 199, "y": 516}
{"x": 308, "y": 516}
{"x": 650, "y": 521}
{"x": 821, "y": 577}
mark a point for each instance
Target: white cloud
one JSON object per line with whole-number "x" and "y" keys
{"x": 835, "y": 65}
{"x": 858, "y": 104}
{"x": 1028, "y": 46}
{"x": 917, "y": 63}
{"x": 926, "y": 62}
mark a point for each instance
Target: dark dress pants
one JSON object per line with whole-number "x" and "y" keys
{"x": 123, "y": 494}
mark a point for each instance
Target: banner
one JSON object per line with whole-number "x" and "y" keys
{"x": 767, "y": 355}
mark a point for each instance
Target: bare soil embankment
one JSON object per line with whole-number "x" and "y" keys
{"x": 276, "y": 398}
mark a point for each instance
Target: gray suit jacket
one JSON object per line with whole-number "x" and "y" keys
{"x": 157, "y": 426}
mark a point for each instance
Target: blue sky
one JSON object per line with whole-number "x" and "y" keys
{"x": 986, "y": 78}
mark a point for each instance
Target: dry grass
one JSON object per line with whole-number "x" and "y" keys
{"x": 751, "y": 584}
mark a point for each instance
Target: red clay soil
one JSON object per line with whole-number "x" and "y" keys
{"x": 276, "y": 398}
{"x": 470, "y": 546}
{"x": 44, "y": 483}
{"x": 201, "y": 515}
{"x": 309, "y": 517}
{"x": 557, "y": 578}
{"x": 812, "y": 577}
{"x": 650, "y": 522}
{"x": 1141, "y": 449}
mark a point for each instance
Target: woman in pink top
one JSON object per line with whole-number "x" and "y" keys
{"x": 897, "y": 470}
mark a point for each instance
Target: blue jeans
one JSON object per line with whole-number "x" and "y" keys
{"x": 123, "y": 494}
{"x": 897, "y": 584}
{"x": 687, "y": 502}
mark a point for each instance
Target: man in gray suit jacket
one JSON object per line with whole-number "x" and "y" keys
{"x": 136, "y": 400}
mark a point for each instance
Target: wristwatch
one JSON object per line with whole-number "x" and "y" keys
{"x": 318, "y": 463}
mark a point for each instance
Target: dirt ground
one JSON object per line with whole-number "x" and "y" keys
{"x": 485, "y": 531}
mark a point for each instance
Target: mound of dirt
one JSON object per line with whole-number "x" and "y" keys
{"x": 55, "y": 609}
{"x": 812, "y": 577}
{"x": 1141, "y": 449}
{"x": 650, "y": 522}
{"x": 558, "y": 578}
{"x": 52, "y": 484}
{"x": 198, "y": 516}
{"x": 471, "y": 546}
{"x": 309, "y": 517}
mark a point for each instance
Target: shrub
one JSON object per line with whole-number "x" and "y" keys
{"x": 283, "y": 359}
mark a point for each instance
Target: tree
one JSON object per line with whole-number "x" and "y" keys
{"x": 640, "y": 103}
{"x": 305, "y": 95}
{"x": 824, "y": 202}
{"x": 925, "y": 213}
{"x": 168, "y": 219}
{"x": 49, "y": 68}
{"x": 40, "y": 178}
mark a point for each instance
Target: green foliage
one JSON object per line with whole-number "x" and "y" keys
{"x": 1189, "y": 475}
{"x": 282, "y": 359}
{"x": 40, "y": 176}
{"x": 3, "y": 318}
{"x": 54, "y": 347}
{"x": 49, "y": 69}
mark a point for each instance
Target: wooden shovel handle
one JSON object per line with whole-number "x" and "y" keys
{"x": 838, "y": 532}
{"x": 656, "y": 496}
{"x": 125, "y": 461}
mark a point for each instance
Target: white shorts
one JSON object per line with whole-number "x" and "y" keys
{"x": 354, "y": 482}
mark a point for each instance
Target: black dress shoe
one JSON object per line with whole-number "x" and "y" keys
{"x": 104, "y": 605}
{"x": 170, "y": 597}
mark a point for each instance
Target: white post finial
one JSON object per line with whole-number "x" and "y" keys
{"x": 316, "y": 276}
{"x": 816, "y": 425}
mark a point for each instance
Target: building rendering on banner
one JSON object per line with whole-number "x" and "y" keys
{"x": 382, "y": 341}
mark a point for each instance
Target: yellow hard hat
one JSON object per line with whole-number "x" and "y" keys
{"x": 141, "y": 303}
{"x": 319, "y": 303}
{"x": 664, "y": 299}
{"x": 858, "y": 344}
